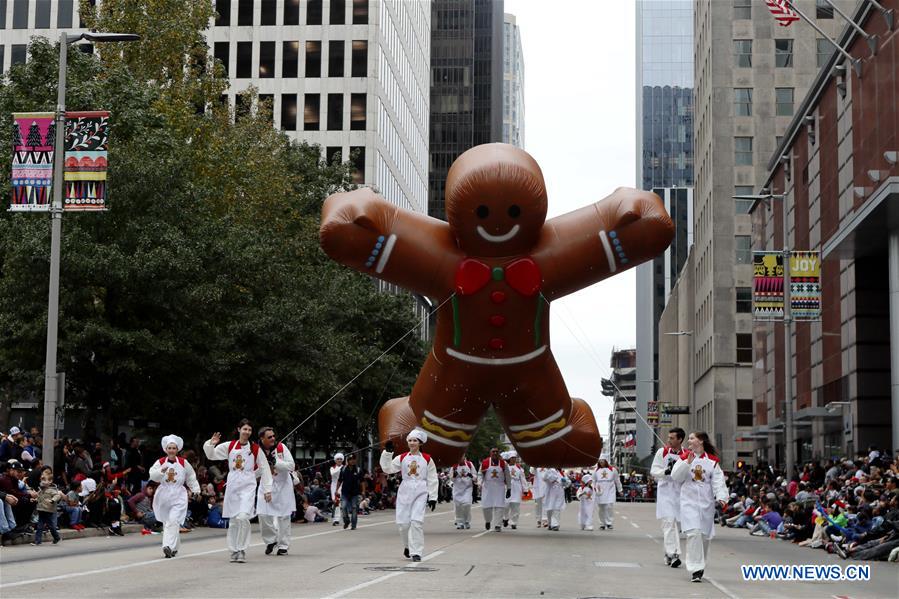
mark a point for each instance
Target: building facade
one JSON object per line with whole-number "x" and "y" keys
{"x": 513, "y": 83}
{"x": 623, "y": 420}
{"x": 750, "y": 73}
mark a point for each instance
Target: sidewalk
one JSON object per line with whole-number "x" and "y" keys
{"x": 68, "y": 534}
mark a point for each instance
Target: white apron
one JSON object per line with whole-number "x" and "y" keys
{"x": 605, "y": 481}
{"x": 463, "y": 482}
{"x": 518, "y": 483}
{"x": 170, "y": 499}
{"x": 493, "y": 489}
{"x": 284, "y": 501}
{"x": 335, "y": 476}
{"x": 668, "y": 489}
{"x": 539, "y": 484}
{"x": 240, "y": 490}
{"x": 554, "y": 498}
{"x": 412, "y": 496}
{"x": 703, "y": 483}
{"x": 587, "y": 503}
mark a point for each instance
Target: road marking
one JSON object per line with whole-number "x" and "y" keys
{"x": 722, "y": 588}
{"x": 617, "y": 565}
{"x": 653, "y": 539}
{"x": 480, "y": 534}
{"x": 635, "y": 525}
{"x": 363, "y": 585}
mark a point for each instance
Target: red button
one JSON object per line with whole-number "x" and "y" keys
{"x": 497, "y": 320}
{"x": 496, "y": 343}
{"x": 497, "y": 297}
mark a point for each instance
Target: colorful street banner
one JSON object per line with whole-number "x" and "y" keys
{"x": 805, "y": 285}
{"x": 768, "y": 286}
{"x": 34, "y": 134}
{"x": 87, "y": 145}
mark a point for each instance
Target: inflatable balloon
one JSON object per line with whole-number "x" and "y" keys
{"x": 493, "y": 269}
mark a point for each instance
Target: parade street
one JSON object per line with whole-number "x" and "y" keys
{"x": 327, "y": 561}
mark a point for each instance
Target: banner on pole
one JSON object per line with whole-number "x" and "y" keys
{"x": 34, "y": 136}
{"x": 805, "y": 285}
{"x": 767, "y": 286}
{"x": 87, "y": 145}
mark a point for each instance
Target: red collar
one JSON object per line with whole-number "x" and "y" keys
{"x": 522, "y": 275}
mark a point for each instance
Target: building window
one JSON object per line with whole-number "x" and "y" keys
{"x": 743, "y": 151}
{"x": 744, "y": 410}
{"x": 2, "y": 49}
{"x": 18, "y": 54}
{"x": 244, "y": 60}
{"x": 334, "y": 155}
{"x": 744, "y": 347}
{"x": 742, "y": 9}
{"x": 743, "y": 249}
{"x": 743, "y": 53}
{"x": 743, "y": 206}
{"x": 825, "y": 49}
{"x": 63, "y": 13}
{"x": 242, "y": 106}
{"x": 269, "y": 13}
{"x": 311, "y": 112}
{"x": 335, "y": 112}
{"x": 783, "y": 54}
{"x": 743, "y": 101}
{"x": 357, "y": 112}
{"x": 337, "y": 15}
{"x": 222, "y": 53}
{"x": 360, "y": 58}
{"x": 357, "y": 157}
{"x": 784, "y": 101}
{"x": 823, "y": 10}
{"x": 244, "y": 13}
{"x": 20, "y": 14}
{"x": 2, "y": 20}
{"x": 289, "y": 112}
{"x": 266, "y": 60}
{"x": 290, "y": 59}
{"x": 266, "y": 107}
{"x": 744, "y": 300}
{"x": 313, "y": 59}
{"x": 291, "y": 12}
{"x": 314, "y": 12}
{"x": 360, "y": 12}
{"x": 42, "y": 14}
{"x": 335, "y": 58}
{"x": 223, "y": 13}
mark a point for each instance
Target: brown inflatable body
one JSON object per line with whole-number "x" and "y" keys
{"x": 493, "y": 268}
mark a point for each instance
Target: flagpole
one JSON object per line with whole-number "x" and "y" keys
{"x": 872, "y": 39}
{"x": 855, "y": 62}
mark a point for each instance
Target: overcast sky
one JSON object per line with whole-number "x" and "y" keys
{"x": 579, "y": 62}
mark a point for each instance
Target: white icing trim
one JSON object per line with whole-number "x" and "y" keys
{"x": 498, "y": 238}
{"x": 545, "y": 440}
{"x": 439, "y": 439}
{"x": 524, "y": 427}
{"x": 495, "y": 361}
{"x": 385, "y": 255}
{"x": 445, "y": 422}
{"x": 608, "y": 248}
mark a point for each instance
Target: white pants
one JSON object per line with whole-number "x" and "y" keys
{"x": 553, "y": 517}
{"x": 538, "y": 510}
{"x": 275, "y": 529}
{"x": 336, "y": 517}
{"x": 239, "y": 532}
{"x": 171, "y": 536}
{"x": 463, "y": 512}
{"x": 606, "y": 512}
{"x": 697, "y": 550}
{"x": 493, "y": 515}
{"x": 512, "y": 512}
{"x": 670, "y": 536}
{"x": 413, "y": 535}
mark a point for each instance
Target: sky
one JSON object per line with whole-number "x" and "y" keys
{"x": 580, "y": 106}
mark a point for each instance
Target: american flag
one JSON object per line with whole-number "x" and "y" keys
{"x": 630, "y": 440}
{"x": 783, "y": 14}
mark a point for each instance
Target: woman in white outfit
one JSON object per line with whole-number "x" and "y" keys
{"x": 274, "y": 516}
{"x": 245, "y": 464}
{"x": 519, "y": 487}
{"x": 417, "y": 491}
{"x": 702, "y": 483}
{"x": 554, "y": 496}
{"x": 463, "y": 484}
{"x": 586, "y": 497}
{"x": 173, "y": 473}
{"x": 668, "y": 494}
{"x": 539, "y": 492}
{"x": 607, "y": 483}
{"x": 335, "y": 475}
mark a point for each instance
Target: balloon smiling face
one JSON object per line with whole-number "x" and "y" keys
{"x": 495, "y": 201}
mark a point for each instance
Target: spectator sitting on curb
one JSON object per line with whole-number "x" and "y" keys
{"x": 141, "y": 506}
{"x": 72, "y": 506}
{"x": 11, "y": 483}
{"x": 214, "y": 519}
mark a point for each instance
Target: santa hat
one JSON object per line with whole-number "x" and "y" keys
{"x": 169, "y": 439}
{"x": 417, "y": 433}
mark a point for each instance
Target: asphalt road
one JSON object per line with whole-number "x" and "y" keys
{"x": 327, "y": 561}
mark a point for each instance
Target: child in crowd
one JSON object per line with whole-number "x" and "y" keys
{"x": 47, "y": 499}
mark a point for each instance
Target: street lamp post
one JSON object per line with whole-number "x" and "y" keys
{"x": 50, "y": 375}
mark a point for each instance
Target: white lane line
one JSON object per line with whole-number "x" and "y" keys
{"x": 380, "y": 579}
{"x": 653, "y": 539}
{"x": 722, "y": 588}
{"x": 635, "y": 525}
{"x": 480, "y": 534}
{"x": 190, "y": 555}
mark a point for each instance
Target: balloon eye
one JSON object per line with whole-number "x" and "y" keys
{"x": 482, "y": 211}
{"x": 514, "y": 211}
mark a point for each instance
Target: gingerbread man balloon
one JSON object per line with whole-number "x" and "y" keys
{"x": 493, "y": 269}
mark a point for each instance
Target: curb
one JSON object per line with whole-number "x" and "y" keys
{"x": 68, "y": 534}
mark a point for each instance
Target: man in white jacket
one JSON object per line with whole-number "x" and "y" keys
{"x": 668, "y": 494}
{"x": 274, "y": 516}
{"x": 539, "y": 493}
{"x": 518, "y": 487}
{"x": 554, "y": 496}
{"x": 495, "y": 482}
{"x": 335, "y": 475}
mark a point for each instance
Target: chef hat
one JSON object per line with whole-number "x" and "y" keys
{"x": 338, "y": 456}
{"x": 178, "y": 441}
{"x": 417, "y": 433}
{"x": 88, "y": 486}
{"x": 505, "y": 455}
{"x": 511, "y": 454}
{"x": 587, "y": 479}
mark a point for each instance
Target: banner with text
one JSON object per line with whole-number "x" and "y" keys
{"x": 768, "y": 286}
{"x": 34, "y": 135}
{"x": 805, "y": 285}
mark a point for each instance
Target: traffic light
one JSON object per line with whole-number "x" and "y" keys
{"x": 608, "y": 387}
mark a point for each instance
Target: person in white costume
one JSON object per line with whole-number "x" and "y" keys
{"x": 274, "y": 516}
{"x": 518, "y": 488}
{"x": 554, "y": 496}
{"x": 702, "y": 484}
{"x": 173, "y": 473}
{"x": 462, "y": 476}
{"x": 607, "y": 483}
{"x": 668, "y": 494}
{"x": 495, "y": 482}
{"x": 245, "y": 464}
{"x": 335, "y": 500}
{"x": 586, "y": 497}
{"x": 539, "y": 488}
{"x": 417, "y": 491}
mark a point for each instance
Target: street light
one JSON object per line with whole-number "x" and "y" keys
{"x": 50, "y": 374}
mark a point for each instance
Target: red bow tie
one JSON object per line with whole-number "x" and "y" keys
{"x": 522, "y": 275}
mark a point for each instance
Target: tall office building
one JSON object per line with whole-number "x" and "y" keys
{"x": 623, "y": 420}
{"x": 750, "y": 73}
{"x": 350, "y": 75}
{"x": 664, "y": 166}
{"x": 466, "y": 85}
{"x": 513, "y": 83}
